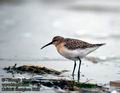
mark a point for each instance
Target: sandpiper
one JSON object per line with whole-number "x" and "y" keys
{"x": 73, "y": 49}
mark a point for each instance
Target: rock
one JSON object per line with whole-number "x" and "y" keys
{"x": 32, "y": 69}
{"x": 39, "y": 80}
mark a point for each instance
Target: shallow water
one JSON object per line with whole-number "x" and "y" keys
{"x": 26, "y": 25}
{"x": 100, "y": 73}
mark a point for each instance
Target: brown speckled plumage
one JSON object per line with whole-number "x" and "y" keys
{"x": 76, "y": 44}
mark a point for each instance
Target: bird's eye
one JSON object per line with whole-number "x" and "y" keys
{"x": 54, "y": 40}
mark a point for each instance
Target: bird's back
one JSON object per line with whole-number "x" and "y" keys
{"x": 76, "y": 44}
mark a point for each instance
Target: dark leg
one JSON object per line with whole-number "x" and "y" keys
{"x": 79, "y": 69}
{"x": 74, "y": 69}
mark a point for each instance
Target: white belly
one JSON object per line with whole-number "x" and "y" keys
{"x": 74, "y": 54}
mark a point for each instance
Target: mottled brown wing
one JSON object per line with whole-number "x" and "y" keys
{"x": 76, "y": 44}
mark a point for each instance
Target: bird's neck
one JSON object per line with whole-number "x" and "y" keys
{"x": 59, "y": 46}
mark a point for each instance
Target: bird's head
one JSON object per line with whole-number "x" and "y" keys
{"x": 55, "y": 41}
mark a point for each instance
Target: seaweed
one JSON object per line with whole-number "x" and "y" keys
{"x": 70, "y": 85}
{"x": 31, "y": 69}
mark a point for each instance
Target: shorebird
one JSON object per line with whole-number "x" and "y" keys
{"x": 73, "y": 49}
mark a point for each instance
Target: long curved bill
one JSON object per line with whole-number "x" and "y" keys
{"x": 47, "y": 45}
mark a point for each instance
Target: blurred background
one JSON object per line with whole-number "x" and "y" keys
{"x": 27, "y": 25}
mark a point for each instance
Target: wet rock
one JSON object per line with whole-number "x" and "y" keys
{"x": 32, "y": 69}
{"x": 69, "y": 85}
{"x": 38, "y": 80}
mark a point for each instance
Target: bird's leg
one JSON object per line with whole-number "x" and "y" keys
{"x": 79, "y": 69}
{"x": 74, "y": 69}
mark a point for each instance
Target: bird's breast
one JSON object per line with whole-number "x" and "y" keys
{"x": 73, "y": 54}
{"x": 69, "y": 54}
